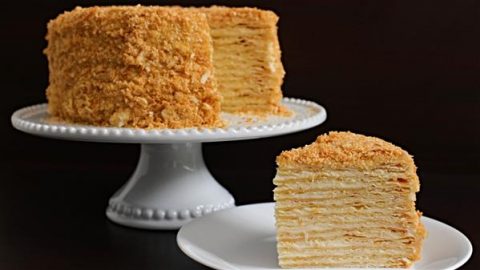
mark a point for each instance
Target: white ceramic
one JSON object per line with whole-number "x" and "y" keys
{"x": 35, "y": 120}
{"x": 171, "y": 184}
{"x": 243, "y": 238}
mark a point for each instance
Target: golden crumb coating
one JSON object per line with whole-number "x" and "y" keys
{"x": 341, "y": 149}
{"x": 247, "y": 59}
{"x": 221, "y": 16}
{"x": 135, "y": 66}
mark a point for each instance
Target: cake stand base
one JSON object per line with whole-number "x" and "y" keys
{"x": 170, "y": 186}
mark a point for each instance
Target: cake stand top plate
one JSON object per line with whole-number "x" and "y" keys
{"x": 307, "y": 114}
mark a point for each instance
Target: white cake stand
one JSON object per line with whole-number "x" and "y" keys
{"x": 171, "y": 184}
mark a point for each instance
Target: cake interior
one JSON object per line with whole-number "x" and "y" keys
{"x": 247, "y": 59}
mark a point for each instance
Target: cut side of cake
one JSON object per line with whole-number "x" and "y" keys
{"x": 347, "y": 200}
{"x": 132, "y": 66}
{"x": 247, "y": 60}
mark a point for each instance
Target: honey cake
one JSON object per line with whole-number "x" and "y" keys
{"x": 347, "y": 200}
{"x": 132, "y": 66}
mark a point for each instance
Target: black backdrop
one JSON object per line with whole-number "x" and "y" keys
{"x": 406, "y": 71}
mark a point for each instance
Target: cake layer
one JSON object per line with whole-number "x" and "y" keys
{"x": 347, "y": 261}
{"x": 316, "y": 204}
{"x": 313, "y": 215}
{"x": 380, "y": 177}
{"x": 333, "y": 197}
{"x": 365, "y": 250}
{"x": 345, "y": 240}
{"x": 309, "y": 172}
{"x": 353, "y": 188}
{"x": 311, "y": 232}
{"x": 346, "y": 228}
{"x": 247, "y": 59}
{"x": 246, "y": 77}
{"x": 316, "y": 252}
{"x": 344, "y": 223}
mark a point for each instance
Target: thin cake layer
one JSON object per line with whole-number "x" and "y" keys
{"x": 247, "y": 59}
{"x": 347, "y": 201}
{"x": 132, "y": 66}
{"x": 378, "y": 253}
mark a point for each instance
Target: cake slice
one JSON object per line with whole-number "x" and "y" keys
{"x": 247, "y": 60}
{"x": 132, "y": 66}
{"x": 347, "y": 200}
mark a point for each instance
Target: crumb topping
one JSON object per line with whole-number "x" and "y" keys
{"x": 230, "y": 16}
{"x": 347, "y": 150}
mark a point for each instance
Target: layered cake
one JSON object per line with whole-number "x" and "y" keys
{"x": 247, "y": 60}
{"x": 347, "y": 200}
{"x": 155, "y": 67}
{"x": 132, "y": 66}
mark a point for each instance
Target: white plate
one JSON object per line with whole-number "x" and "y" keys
{"x": 244, "y": 238}
{"x": 307, "y": 114}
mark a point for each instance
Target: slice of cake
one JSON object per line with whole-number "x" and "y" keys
{"x": 347, "y": 200}
{"x": 132, "y": 66}
{"x": 247, "y": 60}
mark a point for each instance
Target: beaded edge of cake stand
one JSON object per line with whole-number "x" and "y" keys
{"x": 18, "y": 120}
{"x": 144, "y": 213}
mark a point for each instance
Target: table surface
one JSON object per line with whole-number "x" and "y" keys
{"x": 47, "y": 222}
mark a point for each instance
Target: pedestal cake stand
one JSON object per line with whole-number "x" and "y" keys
{"x": 171, "y": 184}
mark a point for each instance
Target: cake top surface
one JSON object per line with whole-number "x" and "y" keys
{"x": 347, "y": 150}
{"x": 230, "y": 16}
{"x": 220, "y": 14}
{"x": 138, "y": 10}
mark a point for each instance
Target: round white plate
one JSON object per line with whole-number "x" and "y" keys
{"x": 307, "y": 114}
{"x": 244, "y": 238}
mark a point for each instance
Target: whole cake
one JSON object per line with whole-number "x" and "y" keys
{"x": 155, "y": 67}
{"x": 347, "y": 200}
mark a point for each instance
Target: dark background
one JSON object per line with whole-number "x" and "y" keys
{"x": 406, "y": 71}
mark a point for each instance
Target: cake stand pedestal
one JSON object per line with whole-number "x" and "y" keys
{"x": 171, "y": 184}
